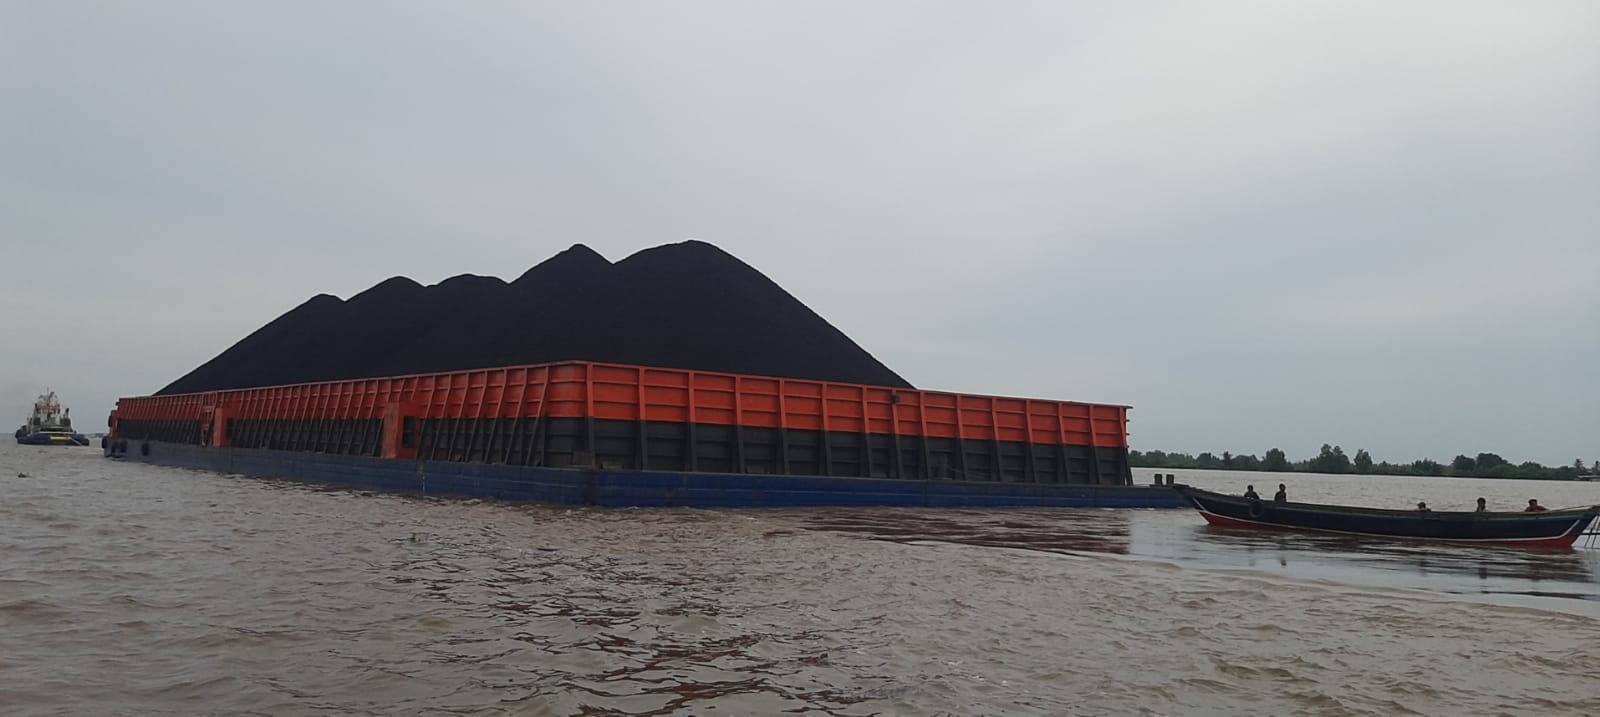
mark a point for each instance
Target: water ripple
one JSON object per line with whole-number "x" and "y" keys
{"x": 139, "y": 590}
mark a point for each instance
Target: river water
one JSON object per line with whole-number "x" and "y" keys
{"x": 137, "y": 590}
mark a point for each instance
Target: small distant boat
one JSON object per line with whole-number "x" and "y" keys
{"x": 49, "y": 425}
{"x": 1555, "y": 528}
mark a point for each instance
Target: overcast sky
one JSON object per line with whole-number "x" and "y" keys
{"x": 1260, "y": 224}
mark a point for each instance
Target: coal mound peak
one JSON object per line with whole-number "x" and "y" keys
{"x": 688, "y": 305}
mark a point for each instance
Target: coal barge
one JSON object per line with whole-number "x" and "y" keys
{"x": 583, "y": 433}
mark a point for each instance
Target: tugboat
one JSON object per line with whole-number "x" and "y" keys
{"x": 49, "y": 425}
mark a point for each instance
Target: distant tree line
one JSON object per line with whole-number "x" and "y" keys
{"x": 1332, "y": 459}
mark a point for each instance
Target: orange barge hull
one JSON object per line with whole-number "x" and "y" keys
{"x": 665, "y": 427}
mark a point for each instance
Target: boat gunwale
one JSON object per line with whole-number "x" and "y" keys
{"x": 1564, "y": 540}
{"x": 1409, "y": 514}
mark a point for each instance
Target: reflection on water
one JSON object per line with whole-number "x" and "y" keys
{"x": 1179, "y": 536}
{"x": 1484, "y": 563}
{"x": 1056, "y": 531}
{"x": 135, "y": 589}
{"x": 1520, "y": 576}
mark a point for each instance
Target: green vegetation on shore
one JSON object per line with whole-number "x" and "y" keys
{"x": 1332, "y": 459}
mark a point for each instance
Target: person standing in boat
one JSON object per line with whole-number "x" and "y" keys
{"x": 1483, "y": 506}
{"x": 1534, "y": 507}
{"x": 1250, "y": 493}
{"x": 1282, "y": 495}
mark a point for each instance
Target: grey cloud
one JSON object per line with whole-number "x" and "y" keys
{"x": 1260, "y": 225}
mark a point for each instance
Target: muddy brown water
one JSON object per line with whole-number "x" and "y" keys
{"x": 139, "y": 590}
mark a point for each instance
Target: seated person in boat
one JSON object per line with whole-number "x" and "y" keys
{"x": 1282, "y": 495}
{"x": 1250, "y": 493}
{"x": 1422, "y": 507}
{"x": 1534, "y": 507}
{"x": 1483, "y": 506}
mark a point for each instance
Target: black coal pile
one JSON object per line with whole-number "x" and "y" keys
{"x": 688, "y": 305}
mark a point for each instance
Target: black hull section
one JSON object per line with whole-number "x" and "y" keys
{"x": 655, "y": 445}
{"x": 632, "y": 488}
{"x": 1549, "y": 528}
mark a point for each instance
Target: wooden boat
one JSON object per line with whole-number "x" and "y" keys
{"x": 1555, "y": 528}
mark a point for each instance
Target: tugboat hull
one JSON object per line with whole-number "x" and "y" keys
{"x": 43, "y": 438}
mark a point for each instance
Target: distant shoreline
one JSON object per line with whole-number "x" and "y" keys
{"x": 1179, "y": 471}
{"x": 1332, "y": 460}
